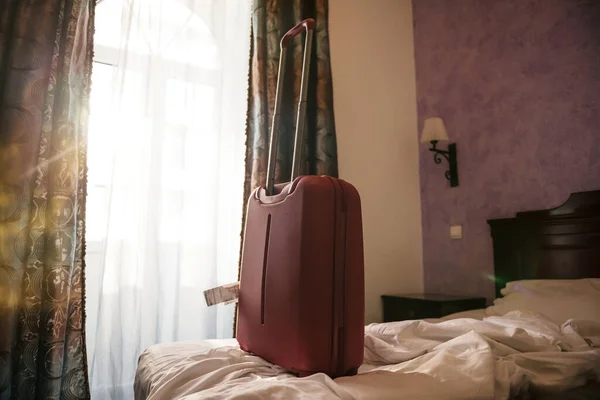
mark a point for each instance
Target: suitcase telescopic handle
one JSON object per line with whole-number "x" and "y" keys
{"x": 307, "y": 25}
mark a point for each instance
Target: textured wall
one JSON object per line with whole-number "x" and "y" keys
{"x": 518, "y": 84}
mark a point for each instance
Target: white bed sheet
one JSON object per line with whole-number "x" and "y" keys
{"x": 479, "y": 314}
{"x": 461, "y": 358}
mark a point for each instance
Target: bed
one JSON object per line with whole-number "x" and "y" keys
{"x": 540, "y": 339}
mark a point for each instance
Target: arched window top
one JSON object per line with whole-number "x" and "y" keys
{"x": 170, "y": 29}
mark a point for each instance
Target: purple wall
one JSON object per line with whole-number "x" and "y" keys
{"x": 517, "y": 83}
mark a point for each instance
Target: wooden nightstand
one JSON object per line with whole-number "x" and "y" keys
{"x": 419, "y": 305}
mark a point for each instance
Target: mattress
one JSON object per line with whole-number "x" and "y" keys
{"x": 464, "y": 356}
{"x": 156, "y": 363}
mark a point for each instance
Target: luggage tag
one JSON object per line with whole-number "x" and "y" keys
{"x": 222, "y": 294}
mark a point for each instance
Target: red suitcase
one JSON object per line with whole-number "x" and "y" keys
{"x": 301, "y": 300}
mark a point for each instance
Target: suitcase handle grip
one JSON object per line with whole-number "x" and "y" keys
{"x": 307, "y": 25}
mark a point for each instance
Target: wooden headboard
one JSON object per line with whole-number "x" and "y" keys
{"x": 560, "y": 243}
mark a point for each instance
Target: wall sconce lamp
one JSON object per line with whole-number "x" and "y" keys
{"x": 434, "y": 131}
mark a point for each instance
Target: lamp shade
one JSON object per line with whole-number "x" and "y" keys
{"x": 434, "y": 129}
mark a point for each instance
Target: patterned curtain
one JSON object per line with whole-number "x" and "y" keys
{"x": 45, "y": 69}
{"x": 270, "y": 20}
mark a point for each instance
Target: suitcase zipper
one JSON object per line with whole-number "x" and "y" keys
{"x": 339, "y": 278}
{"x": 341, "y": 337}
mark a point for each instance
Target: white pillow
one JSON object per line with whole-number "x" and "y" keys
{"x": 557, "y": 299}
{"x": 554, "y": 286}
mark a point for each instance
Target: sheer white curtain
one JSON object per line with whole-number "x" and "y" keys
{"x": 166, "y": 169}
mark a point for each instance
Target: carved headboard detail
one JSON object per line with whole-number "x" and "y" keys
{"x": 560, "y": 243}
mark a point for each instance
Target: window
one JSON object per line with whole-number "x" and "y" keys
{"x": 182, "y": 102}
{"x": 166, "y": 167}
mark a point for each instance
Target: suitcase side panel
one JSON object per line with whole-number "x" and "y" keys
{"x": 347, "y": 299}
{"x": 316, "y": 297}
{"x": 354, "y": 293}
